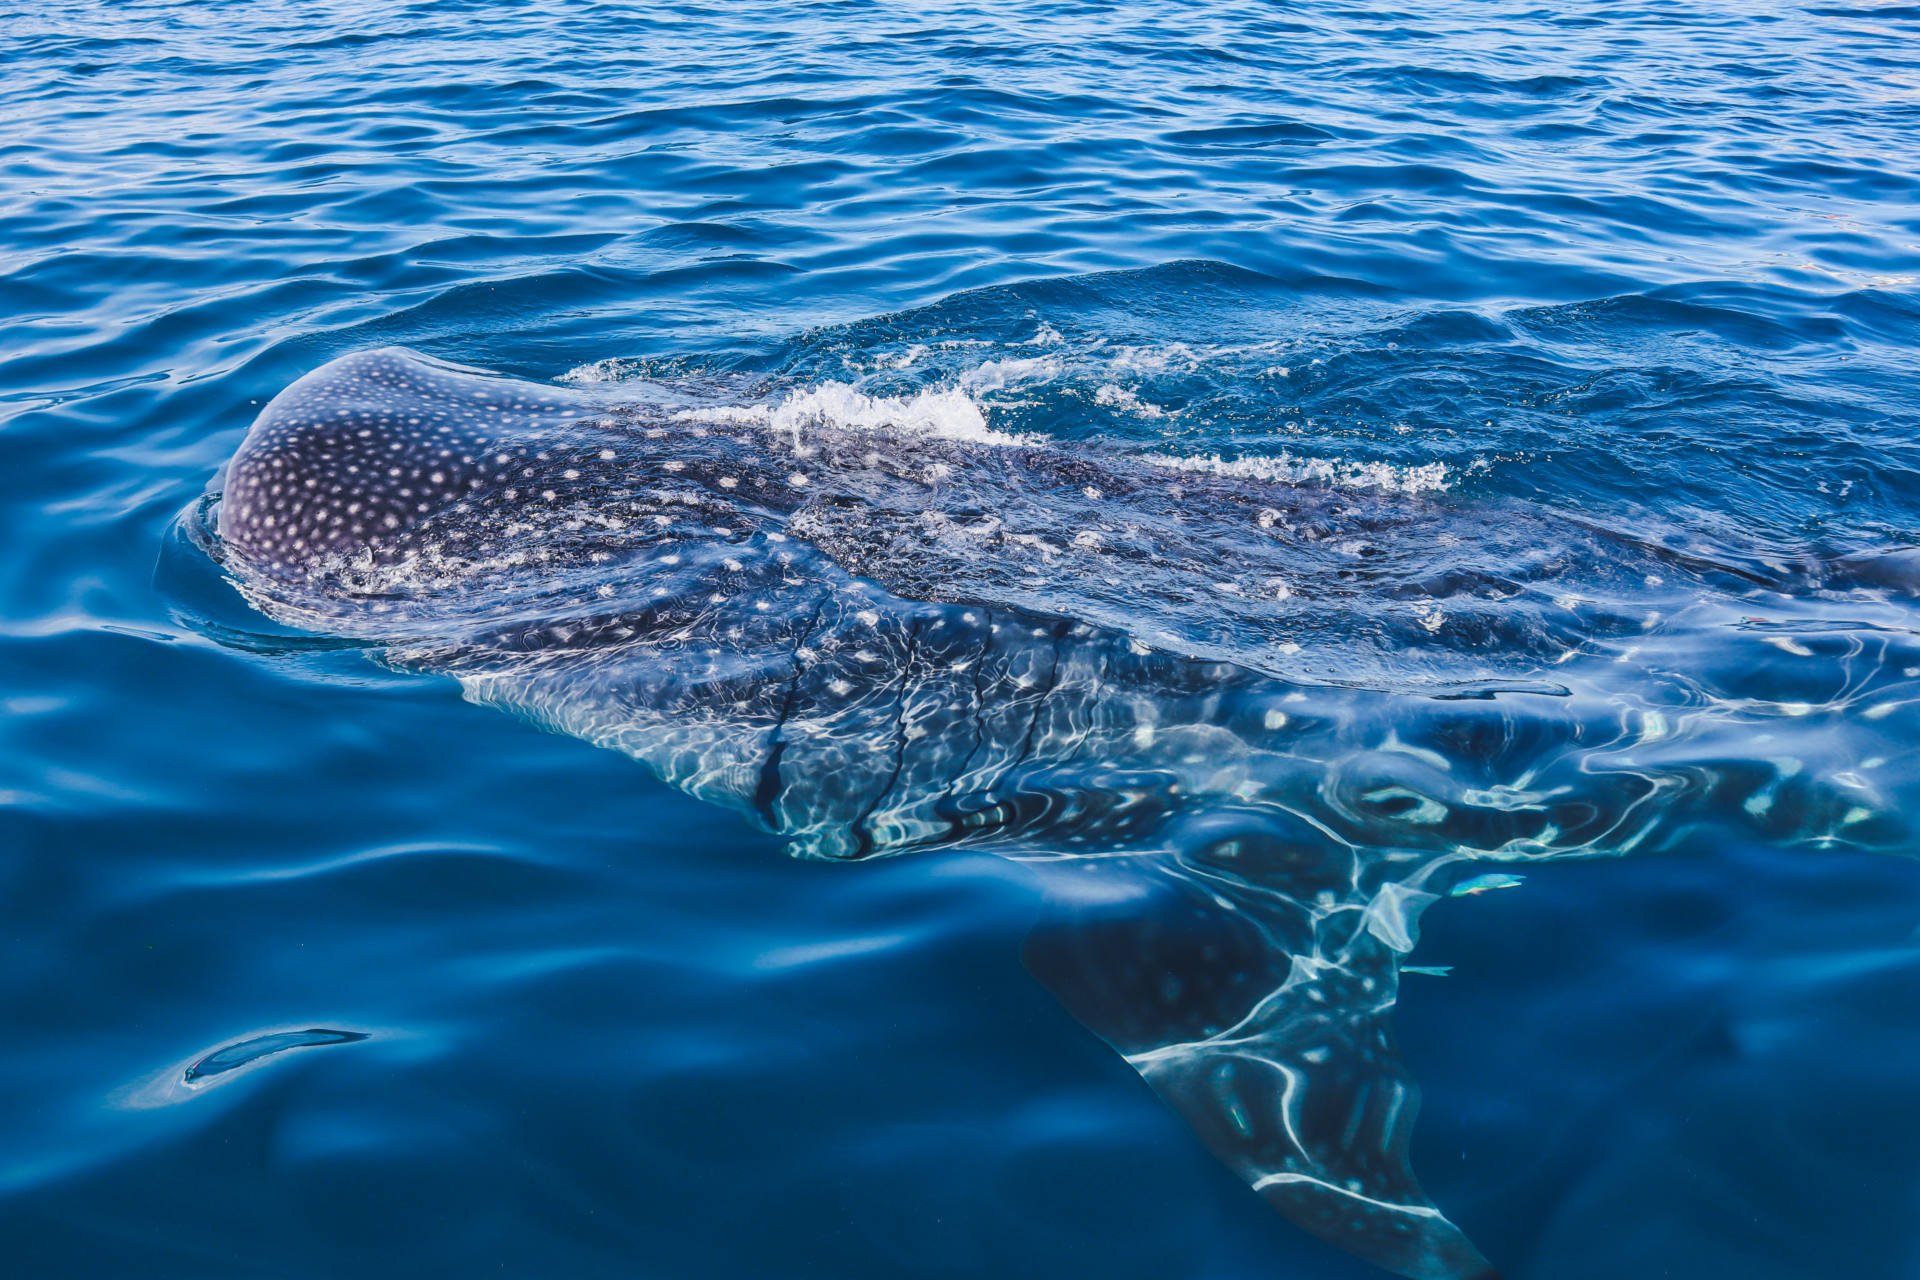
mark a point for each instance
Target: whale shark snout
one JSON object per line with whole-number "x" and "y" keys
{"x": 385, "y": 472}
{"x": 357, "y": 458}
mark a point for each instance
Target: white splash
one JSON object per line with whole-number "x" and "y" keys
{"x": 612, "y": 369}
{"x": 1114, "y": 396}
{"x": 1339, "y": 472}
{"x": 744, "y": 415}
{"x": 949, "y": 414}
{"x": 998, "y": 375}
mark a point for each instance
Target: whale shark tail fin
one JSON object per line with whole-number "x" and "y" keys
{"x": 1281, "y": 1058}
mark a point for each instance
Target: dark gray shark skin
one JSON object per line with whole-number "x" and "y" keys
{"x": 852, "y": 637}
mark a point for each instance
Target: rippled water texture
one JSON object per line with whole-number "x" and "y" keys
{"x": 1351, "y": 552}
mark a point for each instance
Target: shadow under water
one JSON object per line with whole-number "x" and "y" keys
{"x": 1254, "y": 726}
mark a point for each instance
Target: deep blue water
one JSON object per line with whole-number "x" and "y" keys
{"x": 1648, "y": 268}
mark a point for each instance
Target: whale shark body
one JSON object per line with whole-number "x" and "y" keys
{"x": 1284, "y": 718}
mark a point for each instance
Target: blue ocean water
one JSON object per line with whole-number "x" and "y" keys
{"x": 1649, "y": 269}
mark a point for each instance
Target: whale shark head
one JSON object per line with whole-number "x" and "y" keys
{"x": 385, "y": 456}
{"x": 356, "y": 461}
{"x": 387, "y": 496}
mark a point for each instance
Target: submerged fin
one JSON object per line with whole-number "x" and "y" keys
{"x": 1266, "y": 1025}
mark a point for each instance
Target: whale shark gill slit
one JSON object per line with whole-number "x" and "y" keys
{"x": 874, "y": 640}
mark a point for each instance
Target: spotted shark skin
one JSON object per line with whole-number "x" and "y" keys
{"x": 713, "y": 598}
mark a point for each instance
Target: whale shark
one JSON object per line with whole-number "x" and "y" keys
{"x": 1264, "y": 723}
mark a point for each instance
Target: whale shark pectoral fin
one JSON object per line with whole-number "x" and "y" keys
{"x": 1281, "y": 1057}
{"x": 1316, "y": 1114}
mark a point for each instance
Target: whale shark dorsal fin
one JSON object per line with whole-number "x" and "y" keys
{"x": 1282, "y": 1059}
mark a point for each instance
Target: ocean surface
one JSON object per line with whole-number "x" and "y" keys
{"x": 1601, "y": 325}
